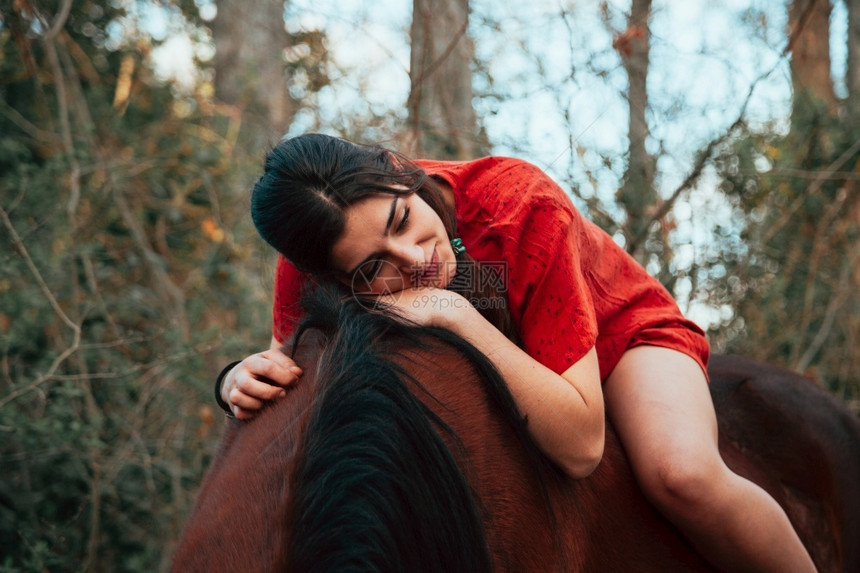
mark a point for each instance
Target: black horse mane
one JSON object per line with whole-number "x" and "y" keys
{"x": 375, "y": 487}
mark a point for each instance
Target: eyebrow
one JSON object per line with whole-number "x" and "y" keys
{"x": 385, "y": 232}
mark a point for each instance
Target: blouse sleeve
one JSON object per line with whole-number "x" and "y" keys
{"x": 286, "y": 311}
{"x": 549, "y": 285}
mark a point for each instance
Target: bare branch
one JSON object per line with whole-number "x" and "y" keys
{"x": 790, "y": 173}
{"x": 162, "y": 280}
{"x": 59, "y": 21}
{"x": 832, "y": 308}
{"x": 47, "y": 375}
{"x": 22, "y": 250}
{"x": 68, "y": 144}
{"x": 76, "y": 329}
{"x": 823, "y": 177}
{"x": 694, "y": 174}
{"x": 706, "y": 154}
{"x": 27, "y": 126}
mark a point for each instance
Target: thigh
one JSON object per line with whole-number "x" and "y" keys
{"x": 658, "y": 401}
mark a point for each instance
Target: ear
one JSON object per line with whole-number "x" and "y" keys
{"x": 394, "y": 159}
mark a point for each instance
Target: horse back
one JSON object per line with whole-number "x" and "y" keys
{"x": 538, "y": 519}
{"x": 795, "y": 440}
{"x": 776, "y": 428}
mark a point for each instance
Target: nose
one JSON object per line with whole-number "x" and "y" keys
{"x": 406, "y": 255}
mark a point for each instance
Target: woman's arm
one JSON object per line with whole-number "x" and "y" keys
{"x": 258, "y": 379}
{"x": 565, "y": 412}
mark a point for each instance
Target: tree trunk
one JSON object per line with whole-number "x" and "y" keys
{"x": 637, "y": 195}
{"x": 809, "y": 29}
{"x": 442, "y": 121}
{"x": 852, "y": 75}
{"x": 249, "y": 67}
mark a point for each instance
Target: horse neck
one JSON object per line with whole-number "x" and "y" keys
{"x": 245, "y": 488}
{"x": 373, "y": 485}
{"x": 508, "y": 477}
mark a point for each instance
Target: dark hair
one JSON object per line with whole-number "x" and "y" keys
{"x": 375, "y": 485}
{"x": 298, "y": 204}
{"x": 381, "y": 482}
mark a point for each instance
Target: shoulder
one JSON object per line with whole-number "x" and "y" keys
{"x": 499, "y": 183}
{"x": 477, "y": 171}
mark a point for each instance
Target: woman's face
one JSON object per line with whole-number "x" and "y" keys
{"x": 393, "y": 242}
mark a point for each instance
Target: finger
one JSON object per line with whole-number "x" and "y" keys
{"x": 243, "y": 414}
{"x": 260, "y": 390}
{"x": 263, "y": 368}
{"x": 244, "y": 401}
{"x": 284, "y": 361}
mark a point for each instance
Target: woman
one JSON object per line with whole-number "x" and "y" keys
{"x": 575, "y": 320}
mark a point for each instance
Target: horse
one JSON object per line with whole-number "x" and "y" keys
{"x": 401, "y": 449}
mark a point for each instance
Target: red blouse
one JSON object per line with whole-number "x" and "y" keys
{"x": 569, "y": 285}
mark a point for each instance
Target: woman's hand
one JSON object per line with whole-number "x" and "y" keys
{"x": 258, "y": 379}
{"x": 429, "y": 306}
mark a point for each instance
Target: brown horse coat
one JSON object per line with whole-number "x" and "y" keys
{"x": 776, "y": 428}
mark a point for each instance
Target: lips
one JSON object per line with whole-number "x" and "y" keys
{"x": 431, "y": 270}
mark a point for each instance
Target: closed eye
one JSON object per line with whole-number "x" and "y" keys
{"x": 405, "y": 219}
{"x": 369, "y": 271}
{"x": 371, "y": 268}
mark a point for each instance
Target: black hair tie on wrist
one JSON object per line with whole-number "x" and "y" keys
{"x": 218, "y": 381}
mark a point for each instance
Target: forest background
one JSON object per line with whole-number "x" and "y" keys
{"x": 718, "y": 142}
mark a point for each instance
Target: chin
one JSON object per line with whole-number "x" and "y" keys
{"x": 446, "y": 278}
{"x": 448, "y": 269}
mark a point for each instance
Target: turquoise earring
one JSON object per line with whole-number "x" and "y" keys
{"x": 458, "y": 246}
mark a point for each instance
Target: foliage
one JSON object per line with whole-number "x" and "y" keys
{"x": 793, "y": 283}
{"x": 129, "y": 281}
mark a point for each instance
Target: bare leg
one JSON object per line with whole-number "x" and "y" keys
{"x": 659, "y": 403}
